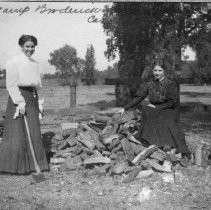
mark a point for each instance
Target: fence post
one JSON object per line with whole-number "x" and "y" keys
{"x": 73, "y": 96}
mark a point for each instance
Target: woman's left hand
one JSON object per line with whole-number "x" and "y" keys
{"x": 151, "y": 105}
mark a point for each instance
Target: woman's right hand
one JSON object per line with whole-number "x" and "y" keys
{"x": 121, "y": 111}
{"x": 22, "y": 108}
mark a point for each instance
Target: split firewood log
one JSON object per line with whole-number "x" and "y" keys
{"x": 62, "y": 145}
{"x": 106, "y": 153}
{"x": 97, "y": 142}
{"x": 144, "y": 154}
{"x": 103, "y": 119}
{"x": 71, "y": 141}
{"x": 119, "y": 168}
{"x": 69, "y": 126}
{"x": 109, "y": 139}
{"x": 86, "y": 140}
{"x": 98, "y": 125}
{"x": 57, "y": 160}
{"x": 132, "y": 175}
{"x": 69, "y": 133}
{"x": 163, "y": 168}
{"x": 114, "y": 142}
{"x": 137, "y": 148}
{"x": 62, "y": 153}
{"x": 145, "y": 173}
{"x": 132, "y": 138}
{"x": 128, "y": 150}
{"x": 158, "y": 156}
{"x": 117, "y": 148}
{"x": 109, "y": 112}
{"x": 99, "y": 160}
{"x": 127, "y": 116}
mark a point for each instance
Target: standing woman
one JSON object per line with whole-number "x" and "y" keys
{"x": 23, "y": 82}
{"x": 160, "y": 117}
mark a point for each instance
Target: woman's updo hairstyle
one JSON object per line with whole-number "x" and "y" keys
{"x": 26, "y": 38}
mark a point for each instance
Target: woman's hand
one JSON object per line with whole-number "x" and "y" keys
{"x": 40, "y": 102}
{"x": 22, "y": 108}
{"x": 151, "y": 105}
{"x": 121, "y": 111}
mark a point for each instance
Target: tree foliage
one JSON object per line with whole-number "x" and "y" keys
{"x": 202, "y": 74}
{"x": 147, "y": 33}
{"x": 66, "y": 63}
{"x": 89, "y": 68}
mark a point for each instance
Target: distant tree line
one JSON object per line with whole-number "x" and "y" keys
{"x": 145, "y": 33}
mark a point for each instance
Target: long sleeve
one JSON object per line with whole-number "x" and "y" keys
{"x": 12, "y": 78}
{"x": 140, "y": 95}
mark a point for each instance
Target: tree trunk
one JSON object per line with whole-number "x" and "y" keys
{"x": 72, "y": 96}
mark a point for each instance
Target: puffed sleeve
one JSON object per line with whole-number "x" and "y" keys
{"x": 12, "y": 77}
{"x": 140, "y": 96}
{"x": 39, "y": 90}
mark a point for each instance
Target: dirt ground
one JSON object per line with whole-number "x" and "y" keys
{"x": 88, "y": 189}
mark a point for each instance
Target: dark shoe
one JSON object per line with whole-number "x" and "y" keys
{"x": 184, "y": 161}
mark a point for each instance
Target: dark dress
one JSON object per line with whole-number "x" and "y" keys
{"x": 161, "y": 124}
{"x": 15, "y": 153}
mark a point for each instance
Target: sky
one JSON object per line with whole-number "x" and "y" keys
{"x": 54, "y": 30}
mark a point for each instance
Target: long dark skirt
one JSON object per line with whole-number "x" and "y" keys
{"x": 15, "y": 153}
{"x": 162, "y": 128}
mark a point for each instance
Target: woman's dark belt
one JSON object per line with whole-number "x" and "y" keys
{"x": 29, "y": 89}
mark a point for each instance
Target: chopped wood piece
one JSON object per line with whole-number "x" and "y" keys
{"x": 128, "y": 150}
{"x": 67, "y": 126}
{"x": 158, "y": 156}
{"x": 159, "y": 167}
{"x": 86, "y": 127}
{"x": 57, "y": 160}
{"x": 94, "y": 160}
{"x": 84, "y": 156}
{"x": 85, "y": 140}
{"x": 89, "y": 151}
{"x": 132, "y": 175}
{"x": 127, "y": 116}
{"x": 97, "y": 142}
{"x": 119, "y": 147}
{"x": 144, "y": 154}
{"x": 103, "y": 119}
{"x": 69, "y": 133}
{"x": 106, "y": 153}
{"x": 109, "y": 112}
{"x": 62, "y": 145}
{"x": 137, "y": 148}
{"x": 119, "y": 168}
{"x": 109, "y": 139}
{"x": 71, "y": 141}
{"x": 145, "y": 174}
{"x": 132, "y": 138}
{"x": 97, "y": 125}
{"x": 62, "y": 152}
{"x": 58, "y": 137}
{"x": 114, "y": 142}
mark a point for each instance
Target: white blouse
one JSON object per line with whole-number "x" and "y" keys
{"x": 22, "y": 71}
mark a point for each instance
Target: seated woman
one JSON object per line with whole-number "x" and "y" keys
{"x": 160, "y": 118}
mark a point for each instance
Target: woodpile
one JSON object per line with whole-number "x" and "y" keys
{"x": 109, "y": 143}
